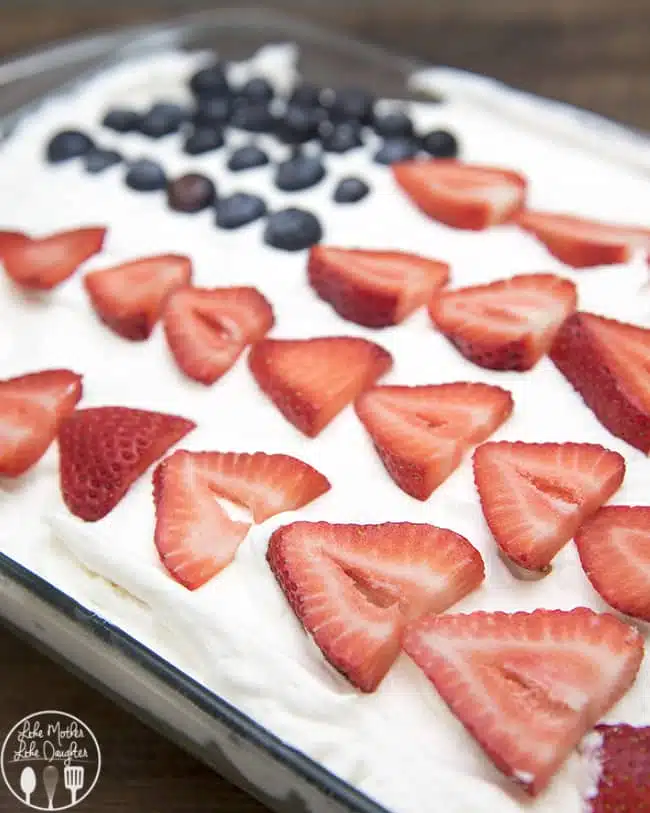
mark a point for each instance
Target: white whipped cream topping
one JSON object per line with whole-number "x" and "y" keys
{"x": 237, "y": 634}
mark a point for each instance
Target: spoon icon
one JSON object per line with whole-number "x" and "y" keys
{"x": 27, "y": 782}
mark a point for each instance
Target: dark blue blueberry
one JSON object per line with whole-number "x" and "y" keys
{"x": 396, "y": 149}
{"x": 98, "y": 160}
{"x": 254, "y": 118}
{"x": 351, "y": 103}
{"x": 299, "y": 172}
{"x": 350, "y": 190}
{"x": 146, "y": 176}
{"x": 211, "y": 81}
{"x": 342, "y": 137}
{"x": 191, "y": 193}
{"x": 162, "y": 120}
{"x": 440, "y": 143}
{"x": 247, "y": 157}
{"x": 292, "y": 229}
{"x": 305, "y": 95}
{"x": 238, "y": 210}
{"x": 203, "y": 139}
{"x": 298, "y": 124}
{"x": 121, "y": 120}
{"x": 393, "y": 125}
{"x": 256, "y": 90}
{"x": 66, "y": 145}
{"x": 213, "y": 111}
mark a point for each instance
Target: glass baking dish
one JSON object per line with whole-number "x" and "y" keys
{"x": 104, "y": 655}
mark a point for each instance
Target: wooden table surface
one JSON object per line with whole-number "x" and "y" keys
{"x": 593, "y": 53}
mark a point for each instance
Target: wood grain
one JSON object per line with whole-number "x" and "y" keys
{"x": 592, "y": 53}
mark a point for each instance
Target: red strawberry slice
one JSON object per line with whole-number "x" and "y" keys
{"x": 422, "y": 433}
{"x": 617, "y": 764}
{"x": 465, "y": 196}
{"x": 374, "y": 288}
{"x": 129, "y": 298}
{"x": 505, "y": 325}
{"x": 311, "y": 380}
{"x": 535, "y": 495}
{"x": 45, "y": 262}
{"x": 195, "y": 537}
{"x": 31, "y": 409}
{"x": 527, "y": 686}
{"x": 208, "y": 329}
{"x": 104, "y": 450}
{"x": 11, "y": 240}
{"x": 583, "y": 243}
{"x": 614, "y": 548}
{"x": 354, "y": 587}
{"x": 608, "y": 363}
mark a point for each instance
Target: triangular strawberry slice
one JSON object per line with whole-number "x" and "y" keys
{"x": 374, "y": 288}
{"x": 311, "y": 380}
{"x": 505, "y": 325}
{"x": 608, "y": 363}
{"x": 45, "y": 262}
{"x": 195, "y": 537}
{"x": 11, "y": 240}
{"x": 584, "y": 243}
{"x": 31, "y": 409}
{"x": 354, "y": 587}
{"x": 129, "y": 298}
{"x": 614, "y": 548}
{"x": 527, "y": 686}
{"x": 104, "y": 450}
{"x": 207, "y": 329}
{"x": 465, "y": 196}
{"x": 535, "y": 495}
{"x": 422, "y": 433}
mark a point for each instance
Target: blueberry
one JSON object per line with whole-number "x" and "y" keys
{"x": 211, "y": 81}
{"x": 396, "y": 149}
{"x": 255, "y": 118}
{"x": 97, "y": 160}
{"x": 440, "y": 143}
{"x": 203, "y": 139}
{"x": 340, "y": 137}
{"x": 68, "y": 144}
{"x": 191, "y": 193}
{"x": 393, "y": 125}
{"x": 305, "y": 95}
{"x": 299, "y": 172}
{"x": 298, "y": 125}
{"x": 213, "y": 111}
{"x": 352, "y": 103}
{"x": 121, "y": 120}
{"x": 145, "y": 176}
{"x": 350, "y": 190}
{"x": 247, "y": 157}
{"x": 162, "y": 120}
{"x": 238, "y": 210}
{"x": 292, "y": 229}
{"x": 256, "y": 90}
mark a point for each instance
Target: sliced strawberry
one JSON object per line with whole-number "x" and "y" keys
{"x": 31, "y": 409}
{"x": 208, "y": 329}
{"x": 195, "y": 537}
{"x": 104, "y": 450}
{"x": 505, "y": 325}
{"x": 129, "y": 298}
{"x": 311, "y": 380}
{"x": 354, "y": 587}
{"x": 527, "y": 686}
{"x": 422, "y": 433}
{"x": 535, "y": 495}
{"x": 466, "y": 196}
{"x": 584, "y": 243}
{"x": 617, "y": 768}
{"x": 374, "y": 288}
{"x": 614, "y": 548}
{"x": 608, "y": 363}
{"x": 45, "y": 262}
{"x": 11, "y": 240}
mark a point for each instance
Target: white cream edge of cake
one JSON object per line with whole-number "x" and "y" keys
{"x": 237, "y": 634}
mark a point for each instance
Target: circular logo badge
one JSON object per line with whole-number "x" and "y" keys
{"x": 50, "y": 760}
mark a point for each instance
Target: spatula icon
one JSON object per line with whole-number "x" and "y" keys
{"x": 73, "y": 779}
{"x": 27, "y": 782}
